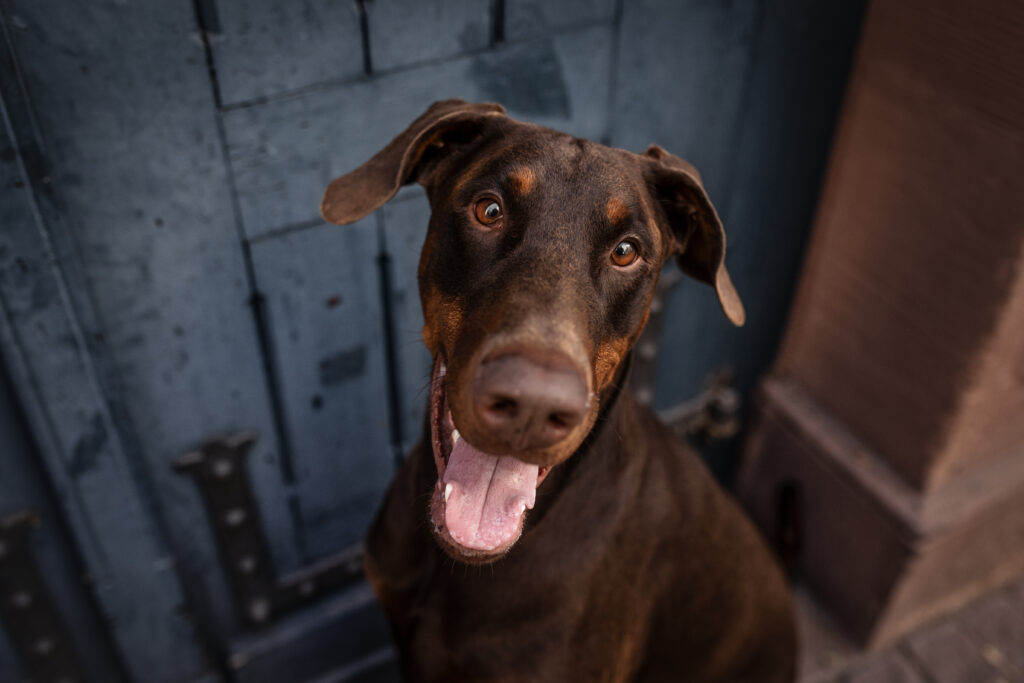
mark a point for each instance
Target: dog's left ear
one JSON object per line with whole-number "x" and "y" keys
{"x": 695, "y": 224}
{"x": 367, "y": 188}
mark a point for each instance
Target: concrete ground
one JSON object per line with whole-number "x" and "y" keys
{"x": 983, "y": 642}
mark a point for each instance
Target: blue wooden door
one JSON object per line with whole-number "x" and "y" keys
{"x": 165, "y": 278}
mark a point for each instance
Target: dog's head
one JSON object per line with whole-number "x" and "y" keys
{"x": 538, "y": 269}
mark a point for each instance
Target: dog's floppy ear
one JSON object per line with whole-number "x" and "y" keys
{"x": 356, "y": 194}
{"x": 694, "y": 223}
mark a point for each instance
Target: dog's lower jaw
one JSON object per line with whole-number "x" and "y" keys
{"x": 453, "y": 548}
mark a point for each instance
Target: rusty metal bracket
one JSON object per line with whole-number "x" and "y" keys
{"x": 36, "y": 631}
{"x": 712, "y": 415}
{"x": 220, "y": 469}
{"x": 709, "y": 416}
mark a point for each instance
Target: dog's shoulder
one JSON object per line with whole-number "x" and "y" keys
{"x": 714, "y": 562}
{"x": 675, "y": 478}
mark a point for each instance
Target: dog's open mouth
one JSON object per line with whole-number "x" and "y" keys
{"x": 480, "y": 500}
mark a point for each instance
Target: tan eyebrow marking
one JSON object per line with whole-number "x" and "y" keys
{"x": 616, "y": 210}
{"x": 523, "y": 180}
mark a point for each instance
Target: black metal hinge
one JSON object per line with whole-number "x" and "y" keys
{"x": 220, "y": 470}
{"x": 36, "y": 631}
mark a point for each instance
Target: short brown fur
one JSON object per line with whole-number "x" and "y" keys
{"x": 606, "y": 362}
{"x": 633, "y": 564}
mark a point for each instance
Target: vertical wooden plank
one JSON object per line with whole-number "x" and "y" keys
{"x": 404, "y": 33}
{"x": 322, "y": 290}
{"x": 264, "y": 47}
{"x": 284, "y": 152}
{"x": 138, "y": 176}
{"x": 23, "y": 488}
{"x": 405, "y": 227}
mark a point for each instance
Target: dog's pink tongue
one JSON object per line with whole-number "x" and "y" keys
{"x": 487, "y": 497}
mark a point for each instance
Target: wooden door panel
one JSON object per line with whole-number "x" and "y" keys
{"x": 322, "y": 292}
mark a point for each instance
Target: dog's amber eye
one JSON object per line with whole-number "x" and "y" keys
{"x": 624, "y": 253}
{"x": 488, "y": 211}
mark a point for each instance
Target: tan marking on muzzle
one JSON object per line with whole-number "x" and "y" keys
{"x": 609, "y": 354}
{"x": 442, "y": 320}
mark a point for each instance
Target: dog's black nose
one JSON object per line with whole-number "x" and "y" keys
{"x": 529, "y": 403}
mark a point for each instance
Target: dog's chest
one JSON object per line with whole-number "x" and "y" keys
{"x": 572, "y": 601}
{"x": 475, "y": 625}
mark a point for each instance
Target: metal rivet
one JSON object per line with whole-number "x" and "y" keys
{"x": 21, "y": 599}
{"x": 247, "y": 565}
{"x": 643, "y": 395}
{"x": 234, "y": 516}
{"x": 259, "y": 609}
{"x": 44, "y": 646}
{"x": 656, "y": 305}
{"x": 222, "y": 468}
{"x": 648, "y": 350}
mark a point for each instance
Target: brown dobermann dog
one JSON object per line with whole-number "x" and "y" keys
{"x": 548, "y": 527}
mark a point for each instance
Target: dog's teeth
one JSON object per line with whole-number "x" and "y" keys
{"x": 455, "y": 436}
{"x": 447, "y": 492}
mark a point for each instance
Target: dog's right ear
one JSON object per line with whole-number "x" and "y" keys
{"x": 358, "y": 193}
{"x": 697, "y": 229}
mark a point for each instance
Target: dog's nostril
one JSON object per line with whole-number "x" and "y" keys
{"x": 504, "y": 406}
{"x": 562, "y": 420}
